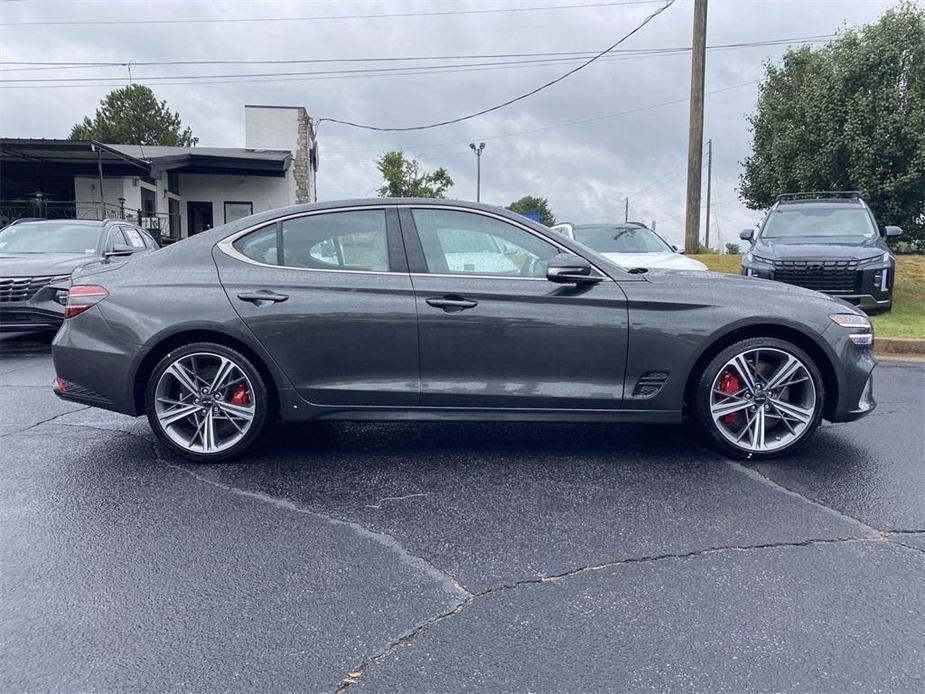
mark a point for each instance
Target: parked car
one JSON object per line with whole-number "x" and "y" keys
{"x": 827, "y": 241}
{"x": 37, "y": 258}
{"x": 361, "y": 310}
{"x": 630, "y": 244}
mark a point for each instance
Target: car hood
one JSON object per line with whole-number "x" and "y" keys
{"x": 797, "y": 249}
{"x": 664, "y": 261}
{"x": 40, "y": 264}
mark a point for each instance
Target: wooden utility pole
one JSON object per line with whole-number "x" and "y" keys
{"x": 695, "y": 140}
{"x": 706, "y": 235}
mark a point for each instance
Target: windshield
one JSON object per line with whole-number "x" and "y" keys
{"x": 810, "y": 222}
{"x": 49, "y": 237}
{"x": 621, "y": 239}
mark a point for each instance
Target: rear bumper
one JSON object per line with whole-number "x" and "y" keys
{"x": 92, "y": 365}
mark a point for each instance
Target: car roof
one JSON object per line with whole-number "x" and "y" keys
{"x": 608, "y": 225}
{"x": 820, "y": 204}
{"x": 83, "y": 222}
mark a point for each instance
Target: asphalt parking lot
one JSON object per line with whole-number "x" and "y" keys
{"x": 446, "y": 558}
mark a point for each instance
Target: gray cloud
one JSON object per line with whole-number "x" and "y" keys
{"x": 585, "y": 170}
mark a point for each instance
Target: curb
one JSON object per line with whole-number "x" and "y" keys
{"x": 899, "y": 346}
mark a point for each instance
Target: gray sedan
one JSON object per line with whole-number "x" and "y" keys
{"x": 432, "y": 309}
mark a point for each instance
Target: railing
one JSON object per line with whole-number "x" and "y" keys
{"x": 158, "y": 223}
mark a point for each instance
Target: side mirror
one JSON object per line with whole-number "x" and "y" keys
{"x": 566, "y": 268}
{"x": 747, "y": 234}
{"x": 679, "y": 251}
{"x": 893, "y": 232}
{"x": 120, "y": 249}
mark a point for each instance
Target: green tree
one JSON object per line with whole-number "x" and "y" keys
{"x": 405, "y": 179}
{"x": 531, "y": 203}
{"x": 848, "y": 116}
{"x": 133, "y": 116}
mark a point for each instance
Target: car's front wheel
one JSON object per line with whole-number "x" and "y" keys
{"x": 760, "y": 398}
{"x": 206, "y": 401}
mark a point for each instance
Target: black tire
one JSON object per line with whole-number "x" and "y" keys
{"x": 702, "y": 401}
{"x": 257, "y": 391}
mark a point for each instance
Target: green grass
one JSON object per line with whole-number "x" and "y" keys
{"x": 907, "y": 319}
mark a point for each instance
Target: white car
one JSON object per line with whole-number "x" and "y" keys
{"x": 629, "y": 244}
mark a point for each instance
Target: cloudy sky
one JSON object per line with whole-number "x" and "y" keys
{"x": 616, "y": 129}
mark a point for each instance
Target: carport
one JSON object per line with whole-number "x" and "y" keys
{"x": 37, "y": 177}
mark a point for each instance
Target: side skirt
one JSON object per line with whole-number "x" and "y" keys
{"x": 501, "y": 415}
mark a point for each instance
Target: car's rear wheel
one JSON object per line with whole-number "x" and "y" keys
{"x": 760, "y": 398}
{"x": 206, "y": 401}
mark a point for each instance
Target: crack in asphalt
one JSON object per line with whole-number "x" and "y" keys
{"x": 45, "y": 421}
{"x": 356, "y": 673}
{"x": 760, "y": 477}
{"x": 379, "y": 503}
{"x": 448, "y": 581}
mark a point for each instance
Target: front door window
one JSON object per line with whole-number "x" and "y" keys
{"x": 464, "y": 243}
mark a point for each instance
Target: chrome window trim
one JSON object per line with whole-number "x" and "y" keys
{"x": 481, "y": 277}
{"x": 500, "y": 218}
{"x": 226, "y": 245}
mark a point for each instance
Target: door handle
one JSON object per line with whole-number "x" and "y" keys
{"x": 262, "y": 297}
{"x": 452, "y": 303}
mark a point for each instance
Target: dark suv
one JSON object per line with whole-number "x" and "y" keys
{"x": 37, "y": 258}
{"x": 827, "y": 241}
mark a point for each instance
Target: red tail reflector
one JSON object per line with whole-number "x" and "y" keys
{"x": 80, "y": 297}
{"x": 60, "y": 385}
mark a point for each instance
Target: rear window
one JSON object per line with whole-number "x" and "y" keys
{"x": 49, "y": 237}
{"x": 853, "y": 222}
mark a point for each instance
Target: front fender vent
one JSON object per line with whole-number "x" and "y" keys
{"x": 649, "y": 384}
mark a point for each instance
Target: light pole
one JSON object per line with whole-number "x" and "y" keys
{"x": 478, "y": 168}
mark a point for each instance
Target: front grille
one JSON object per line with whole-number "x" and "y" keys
{"x": 21, "y": 288}
{"x": 822, "y": 275}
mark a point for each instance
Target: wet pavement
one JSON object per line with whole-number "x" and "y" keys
{"x": 457, "y": 557}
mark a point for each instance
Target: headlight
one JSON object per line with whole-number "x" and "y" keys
{"x": 851, "y": 320}
{"x": 751, "y": 257}
{"x": 886, "y": 258}
{"x": 862, "y": 334}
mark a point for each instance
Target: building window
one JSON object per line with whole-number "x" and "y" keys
{"x": 173, "y": 227}
{"x": 148, "y": 203}
{"x": 237, "y": 210}
{"x": 173, "y": 182}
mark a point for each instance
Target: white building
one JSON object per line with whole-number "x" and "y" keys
{"x": 175, "y": 190}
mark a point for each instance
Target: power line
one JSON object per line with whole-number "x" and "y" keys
{"x": 525, "y": 95}
{"x": 564, "y": 55}
{"x": 381, "y": 15}
{"x": 532, "y": 131}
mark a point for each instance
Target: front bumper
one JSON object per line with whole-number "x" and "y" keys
{"x": 854, "y": 372}
{"x": 868, "y": 288}
{"x": 43, "y": 311}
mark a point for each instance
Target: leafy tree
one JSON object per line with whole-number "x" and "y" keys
{"x": 848, "y": 116}
{"x": 732, "y": 248}
{"x": 531, "y": 203}
{"x": 405, "y": 179}
{"x": 132, "y": 116}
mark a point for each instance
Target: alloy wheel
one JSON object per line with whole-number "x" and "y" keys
{"x": 763, "y": 399}
{"x": 204, "y": 402}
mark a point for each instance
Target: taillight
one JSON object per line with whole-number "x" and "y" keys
{"x": 80, "y": 297}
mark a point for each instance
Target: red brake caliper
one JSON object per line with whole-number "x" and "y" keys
{"x": 729, "y": 383}
{"x": 239, "y": 395}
